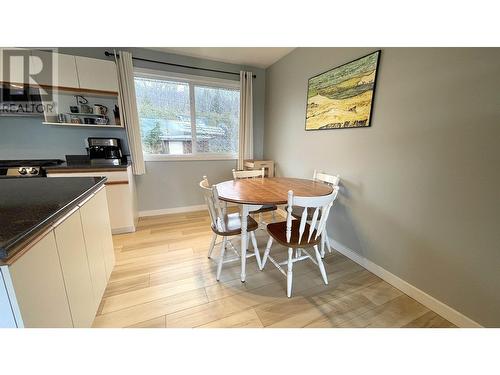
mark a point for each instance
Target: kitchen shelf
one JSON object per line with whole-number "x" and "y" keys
{"x": 63, "y": 101}
{"x": 84, "y": 114}
{"x": 79, "y": 91}
{"x": 81, "y": 125}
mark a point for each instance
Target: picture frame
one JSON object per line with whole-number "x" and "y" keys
{"x": 343, "y": 97}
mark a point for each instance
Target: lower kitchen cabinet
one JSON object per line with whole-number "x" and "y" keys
{"x": 98, "y": 241}
{"x": 95, "y": 250}
{"x": 75, "y": 268}
{"x": 102, "y": 216}
{"x": 60, "y": 277}
{"x": 120, "y": 194}
{"x": 39, "y": 286}
{"x": 121, "y": 213}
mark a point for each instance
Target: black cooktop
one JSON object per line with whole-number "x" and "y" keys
{"x": 30, "y": 163}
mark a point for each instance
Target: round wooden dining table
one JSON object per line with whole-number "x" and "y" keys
{"x": 253, "y": 193}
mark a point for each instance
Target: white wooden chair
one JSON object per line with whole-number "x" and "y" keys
{"x": 226, "y": 225}
{"x": 257, "y": 173}
{"x": 298, "y": 235}
{"x": 252, "y": 173}
{"x": 332, "y": 180}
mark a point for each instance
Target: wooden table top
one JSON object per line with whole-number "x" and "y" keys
{"x": 269, "y": 190}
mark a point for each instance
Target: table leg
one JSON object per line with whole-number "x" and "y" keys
{"x": 244, "y": 240}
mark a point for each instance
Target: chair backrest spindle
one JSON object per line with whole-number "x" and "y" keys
{"x": 253, "y": 173}
{"x": 212, "y": 200}
{"x": 332, "y": 180}
{"x": 323, "y": 204}
{"x": 289, "y": 216}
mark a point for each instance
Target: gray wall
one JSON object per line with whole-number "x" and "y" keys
{"x": 166, "y": 184}
{"x": 28, "y": 138}
{"x": 176, "y": 183}
{"x": 420, "y": 188}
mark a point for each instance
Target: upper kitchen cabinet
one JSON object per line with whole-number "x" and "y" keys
{"x": 59, "y": 70}
{"x": 17, "y": 58}
{"x": 95, "y": 74}
{"x": 62, "y": 74}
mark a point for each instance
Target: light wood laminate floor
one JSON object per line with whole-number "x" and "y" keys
{"x": 163, "y": 278}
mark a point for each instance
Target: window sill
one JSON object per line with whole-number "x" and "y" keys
{"x": 195, "y": 157}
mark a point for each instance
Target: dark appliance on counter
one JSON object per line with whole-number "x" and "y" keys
{"x": 26, "y": 168}
{"x": 104, "y": 151}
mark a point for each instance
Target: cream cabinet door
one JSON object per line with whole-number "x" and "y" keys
{"x": 121, "y": 210}
{"x": 18, "y": 60}
{"x": 120, "y": 195}
{"x": 58, "y": 69}
{"x": 95, "y": 74}
{"x": 75, "y": 268}
{"x": 94, "y": 243}
{"x": 39, "y": 286}
{"x": 107, "y": 239}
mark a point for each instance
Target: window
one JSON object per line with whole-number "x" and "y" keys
{"x": 185, "y": 117}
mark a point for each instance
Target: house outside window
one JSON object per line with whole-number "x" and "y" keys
{"x": 187, "y": 117}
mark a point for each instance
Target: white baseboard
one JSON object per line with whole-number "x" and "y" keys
{"x": 425, "y": 299}
{"x": 177, "y": 210}
{"x": 174, "y": 210}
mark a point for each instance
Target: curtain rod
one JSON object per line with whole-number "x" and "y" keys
{"x": 178, "y": 65}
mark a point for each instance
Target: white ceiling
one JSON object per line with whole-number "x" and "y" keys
{"x": 260, "y": 57}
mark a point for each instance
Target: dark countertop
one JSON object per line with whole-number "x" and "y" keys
{"x": 28, "y": 206}
{"x": 85, "y": 167}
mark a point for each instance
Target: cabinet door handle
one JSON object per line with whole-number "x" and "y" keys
{"x": 58, "y": 222}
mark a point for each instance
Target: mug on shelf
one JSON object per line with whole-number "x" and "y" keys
{"x": 100, "y": 109}
{"x": 102, "y": 120}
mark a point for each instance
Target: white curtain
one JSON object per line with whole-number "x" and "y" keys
{"x": 128, "y": 107}
{"x": 245, "y": 150}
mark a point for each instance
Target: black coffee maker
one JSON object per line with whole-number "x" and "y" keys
{"x": 104, "y": 151}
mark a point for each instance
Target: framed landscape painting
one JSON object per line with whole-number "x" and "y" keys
{"x": 343, "y": 97}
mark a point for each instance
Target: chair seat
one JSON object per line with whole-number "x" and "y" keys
{"x": 231, "y": 226}
{"x": 278, "y": 232}
{"x": 297, "y": 212}
{"x": 266, "y": 208}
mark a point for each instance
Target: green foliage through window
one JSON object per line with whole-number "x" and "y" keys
{"x": 165, "y": 117}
